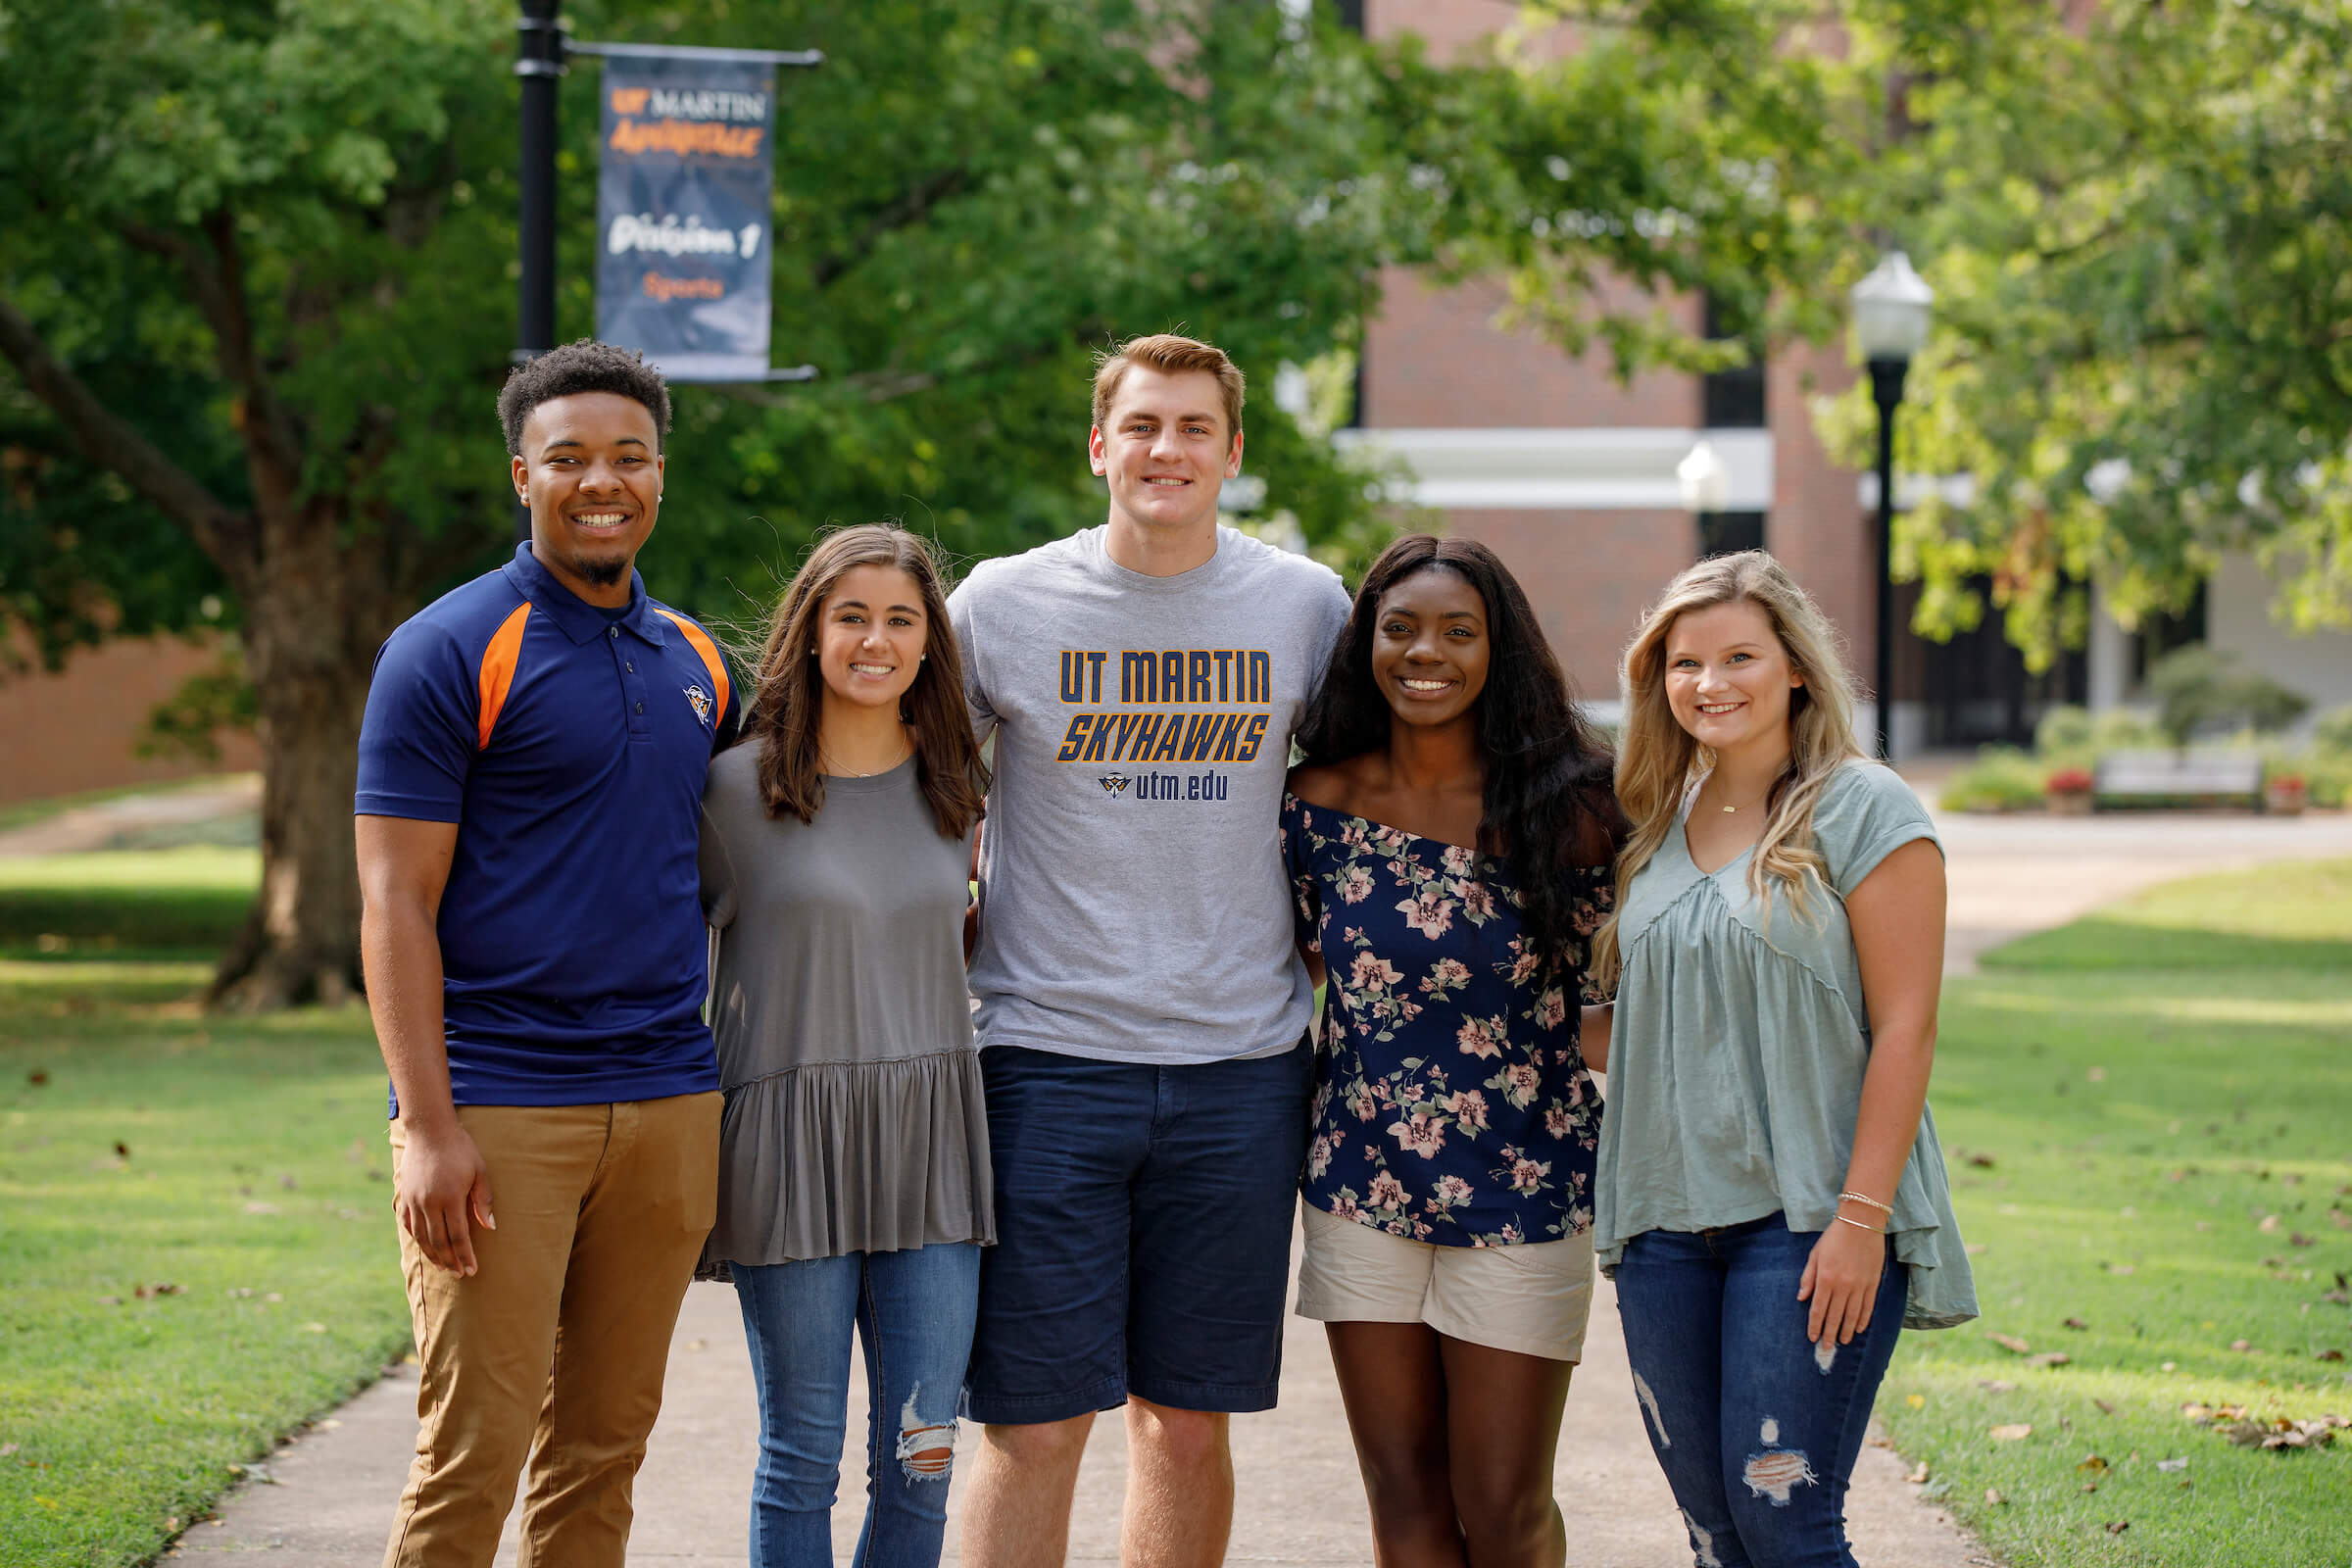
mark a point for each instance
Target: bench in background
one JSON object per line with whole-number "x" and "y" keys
{"x": 2127, "y": 780}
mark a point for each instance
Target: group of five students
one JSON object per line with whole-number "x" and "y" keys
{"x": 1044, "y": 1153}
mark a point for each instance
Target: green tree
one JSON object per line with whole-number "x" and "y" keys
{"x": 2138, "y": 216}
{"x": 258, "y": 300}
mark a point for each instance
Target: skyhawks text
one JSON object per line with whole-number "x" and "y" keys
{"x": 1148, "y": 681}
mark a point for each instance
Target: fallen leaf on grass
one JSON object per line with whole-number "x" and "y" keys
{"x": 2282, "y": 1433}
{"x": 7, "y": 1449}
{"x": 2298, "y": 1239}
{"x": 2339, "y": 1219}
{"x": 2013, "y": 1431}
{"x": 313, "y": 1328}
{"x": 2270, "y": 1222}
{"x": 2329, "y": 1355}
{"x": 1997, "y": 1386}
{"x": 1983, "y": 1161}
{"x": 2105, "y": 1408}
{"x": 259, "y": 1207}
{"x": 122, "y": 1150}
{"x": 2116, "y": 1527}
{"x": 2092, "y": 1464}
{"x": 2049, "y": 1359}
{"x": 2075, "y": 1323}
{"x": 2170, "y": 1465}
{"x": 1918, "y": 1474}
{"x": 2011, "y": 1342}
{"x": 38, "y": 1077}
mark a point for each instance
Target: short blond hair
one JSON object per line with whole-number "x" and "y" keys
{"x": 1169, "y": 355}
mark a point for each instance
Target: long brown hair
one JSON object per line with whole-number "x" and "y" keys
{"x": 790, "y": 691}
{"x": 1658, "y": 761}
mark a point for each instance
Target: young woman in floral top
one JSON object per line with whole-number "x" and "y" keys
{"x": 1449, "y": 838}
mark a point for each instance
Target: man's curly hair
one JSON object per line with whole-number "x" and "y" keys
{"x": 585, "y": 366}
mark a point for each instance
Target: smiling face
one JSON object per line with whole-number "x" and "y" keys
{"x": 1430, "y": 647}
{"x": 1729, "y": 680}
{"x": 1165, "y": 449}
{"x": 871, "y": 636}
{"x": 591, "y": 473}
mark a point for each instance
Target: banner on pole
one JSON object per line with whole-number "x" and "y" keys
{"x": 683, "y": 211}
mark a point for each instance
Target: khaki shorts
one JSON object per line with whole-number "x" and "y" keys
{"x": 1534, "y": 1297}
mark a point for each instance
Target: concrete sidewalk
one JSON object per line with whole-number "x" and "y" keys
{"x": 1300, "y": 1501}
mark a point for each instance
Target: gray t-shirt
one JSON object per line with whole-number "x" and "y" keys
{"x": 1132, "y": 900}
{"x": 853, "y": 1119}
{"x": 1738, "y": 1046}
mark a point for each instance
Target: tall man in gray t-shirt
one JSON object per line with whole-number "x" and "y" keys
{"x": 1142, "y": 1007}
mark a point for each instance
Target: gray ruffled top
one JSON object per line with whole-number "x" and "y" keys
{"x": 1737, "y": 1049}
{"x": 853, "y": 1119}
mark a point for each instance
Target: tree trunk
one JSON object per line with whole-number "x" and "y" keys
{"x": 315, "y": 612}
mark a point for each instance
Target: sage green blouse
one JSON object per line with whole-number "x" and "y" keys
{"x": 1737, "y": 1053}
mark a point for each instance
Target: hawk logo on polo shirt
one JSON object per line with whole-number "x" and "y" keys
{"x": 1113, "y": 783}
{"x": 700, "y": 700}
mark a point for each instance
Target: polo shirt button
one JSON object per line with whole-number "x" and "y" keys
{"x": 613, "y": 632}
{"x": 641, "y": 708}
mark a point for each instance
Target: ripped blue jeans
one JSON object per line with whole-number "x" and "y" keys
{"x": 1756, "y": 1428}
{"x": 914, "y": 1313}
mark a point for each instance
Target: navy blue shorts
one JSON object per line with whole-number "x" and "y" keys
{"x": 1144, "y": 1221}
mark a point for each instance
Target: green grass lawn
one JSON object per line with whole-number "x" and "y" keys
{"x": 240, "y": 1164}
{"x": 2148, "y": 1116}
{"x": 182, "y": 902}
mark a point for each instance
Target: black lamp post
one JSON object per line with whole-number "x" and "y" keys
{"x": 1890, "y": 326}
{"x": 539, "y": 62}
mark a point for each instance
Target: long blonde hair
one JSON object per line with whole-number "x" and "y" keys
{"x": 1658, "y": 762}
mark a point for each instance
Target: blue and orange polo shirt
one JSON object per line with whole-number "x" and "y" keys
{"x": 569, "y": 745}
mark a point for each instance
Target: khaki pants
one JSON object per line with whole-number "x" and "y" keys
{"x": 555, "y": 1347}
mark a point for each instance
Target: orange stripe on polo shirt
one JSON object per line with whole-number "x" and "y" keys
{"x": 498, "y": 670}
{"x": 700, "y": 641}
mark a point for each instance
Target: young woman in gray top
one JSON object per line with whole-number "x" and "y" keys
{"x": 853, "y": 1170}
{"x": 1770, "y": 1197}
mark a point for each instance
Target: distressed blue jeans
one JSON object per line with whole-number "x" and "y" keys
{"x": 913, "y": 1311}
{"x": 1756, "y": 1428}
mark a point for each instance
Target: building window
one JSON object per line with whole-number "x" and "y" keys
{"x": 1724, "y": 533}
{"x": 1731, "y": 399}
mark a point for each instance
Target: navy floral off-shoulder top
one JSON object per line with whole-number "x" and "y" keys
{"x": 1452, "y": 1102}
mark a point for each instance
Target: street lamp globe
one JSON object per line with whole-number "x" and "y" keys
{"x": 1706, "y": 482}
{"x": 1890, "y": 309}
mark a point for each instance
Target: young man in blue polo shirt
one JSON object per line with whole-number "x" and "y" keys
{"x": 531, "y": 772}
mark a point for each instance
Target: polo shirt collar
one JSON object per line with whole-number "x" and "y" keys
{"x": 574, "y": 617}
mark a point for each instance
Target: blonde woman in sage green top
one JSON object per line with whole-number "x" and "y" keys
{"x": 1770, "y": 1195}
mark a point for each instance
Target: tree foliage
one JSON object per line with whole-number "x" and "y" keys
{"x": 2137, "y": 218}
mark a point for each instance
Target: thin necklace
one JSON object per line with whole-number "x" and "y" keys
{"x": 1729, "y": 809}
{"x": 838, "y": 772}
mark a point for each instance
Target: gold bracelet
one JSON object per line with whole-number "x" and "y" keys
{"x": 1857, "y": 1198}
{"x": 1858, "y": 1225}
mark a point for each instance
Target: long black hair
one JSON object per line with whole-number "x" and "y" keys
{"x": 1547, "y": 807}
